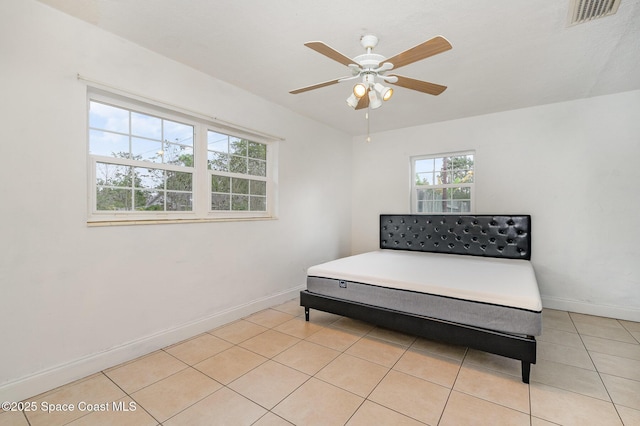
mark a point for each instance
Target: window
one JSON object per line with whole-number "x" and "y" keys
{"x": 442, "y": 183}
{"x": 149, "y": 163}
{"x": 238, "y": 173}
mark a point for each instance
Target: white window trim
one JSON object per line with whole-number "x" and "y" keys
{"x": 413, "y": 201}
{"x": 201, "y": 187}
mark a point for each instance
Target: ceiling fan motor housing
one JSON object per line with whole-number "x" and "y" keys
{"x": 369, "y": 60}
{"x": 369, "y": 41}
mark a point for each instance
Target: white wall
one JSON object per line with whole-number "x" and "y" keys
{"x": 76, "y": 299}
{"x": 573, "y": 166}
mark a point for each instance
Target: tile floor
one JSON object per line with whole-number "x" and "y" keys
{"x": 273, "y": 368}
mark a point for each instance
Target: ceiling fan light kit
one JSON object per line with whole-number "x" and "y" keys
{"x": 374, "y": 100}
{"x": 371, "y": 68}
{"x": 352, "y": 101}
{"x": 360, "y": 89}
{"x": 385, "y": 92}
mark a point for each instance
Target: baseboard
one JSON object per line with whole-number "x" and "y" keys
{"x": 617, "y": 312}
{"x": 34, "y": 384}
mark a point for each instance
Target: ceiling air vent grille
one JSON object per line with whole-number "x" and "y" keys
{"x": 586, "y": 10}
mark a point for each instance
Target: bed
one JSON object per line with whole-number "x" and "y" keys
{"x": 460, "y": 279}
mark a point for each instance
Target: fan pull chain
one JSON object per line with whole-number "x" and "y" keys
{"x": 366, "y": 117}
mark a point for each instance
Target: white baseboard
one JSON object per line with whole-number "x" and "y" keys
{"x": 617, "y": 312}
{"x": 34, "y": 384}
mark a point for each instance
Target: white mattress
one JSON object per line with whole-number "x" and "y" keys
{"x": 506, "y": 282}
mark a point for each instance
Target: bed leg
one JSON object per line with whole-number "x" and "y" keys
{"x": 306, "y": 313}
{"x": 526, "y": 371}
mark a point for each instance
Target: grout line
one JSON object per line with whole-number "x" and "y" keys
{"x": 453, "y": 385}
{"x": 132, "y": 398}
{"x": 598, "y": 372}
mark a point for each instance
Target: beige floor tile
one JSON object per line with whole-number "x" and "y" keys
{"x": 606, "y": 332}
{"x": 144, "y": 371}
{"x": 269, "y": 383}
{"x": 292, "y": 307}
{"x": 270, "y": 343}
{"x": 428, "y": 366}
{"x": 444, "y": 349}
{"x": 371, "y": 413}
{"x": 560, "y": 337}
{"x": 567, "y": 377}
{"x": 555, "y": 313}
{"x": 557, "y": 319}
{"x": 463, "y": 409}
{"x": 494, "y": 362}
{"x": 617, "y": 366}
{"x": 318, "y": 403}
{"x": 378, "y": 351}
{"x": 125, "y": 412}
{"x": 392, "y": 336}
{"x": 307, "y": 357}
{"x": 238, "y": 331}
{"x": 587, "y": 378}
{"x": 198, "y": 349}
{"x": 594, "y": 320}
{"x": 228, "y": 365}
{"x": 298, "y": 327}
{"x": 269, "y": 318}
{"x": 535, "y": 421}
{"x": 411, "y": 396}
{"x": 623, "y": 391}
{"x": 612, "y": 347}
{"x": 96, "y": 389}
{"x": 354, "y": 326}
{"x": 502, "y": 389}
{"x": 223, "y": 407}
{"x": 271, "y": 419}
{"x": 630, "y": 325}
{"x": 334, "y": 338}
{"x": 167, "y": 397}
{"x": 42, "y": 395}
{"x": 13, "y": 418}
{"x": 629, "y": 416}
{"x": 578, "y": 357}
{"x": 569, "y": 408}
{"x": 353, "y": 374}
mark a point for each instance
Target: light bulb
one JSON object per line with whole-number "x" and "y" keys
{"x": 385, "y": 92}
{"x": 359, "y": 90}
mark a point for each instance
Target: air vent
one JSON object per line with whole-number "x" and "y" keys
{"x": 581, "y": 11}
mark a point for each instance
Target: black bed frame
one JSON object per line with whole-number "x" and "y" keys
{"x": 505, "y": 236}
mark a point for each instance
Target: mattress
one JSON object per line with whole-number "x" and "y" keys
{"x": 490, "y": 293}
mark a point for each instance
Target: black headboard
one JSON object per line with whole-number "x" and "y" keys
{"x": 476, "y": 235}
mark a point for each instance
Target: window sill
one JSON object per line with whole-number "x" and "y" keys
{"x": 98, "y": 224}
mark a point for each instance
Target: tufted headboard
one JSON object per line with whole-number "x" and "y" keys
{"x": 507, "y": 236}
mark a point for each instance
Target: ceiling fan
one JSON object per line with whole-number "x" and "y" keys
{"x": 371, "y": 71}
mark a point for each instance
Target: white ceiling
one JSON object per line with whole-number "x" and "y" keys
{"x": 507, "y": 54}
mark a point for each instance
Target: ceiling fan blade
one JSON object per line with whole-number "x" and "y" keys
{"x": 330, "y": 53}
{"x": 419, "y": 85}
{"x": 431, "y": 47}
{"x": 364, "y": 101}
{"x": 315, "y": 86}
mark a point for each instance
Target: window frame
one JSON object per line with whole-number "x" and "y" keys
{"x": 201, "y": 181}
{"x": 268, "y": 179}
{"x": 414, "y": 187}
